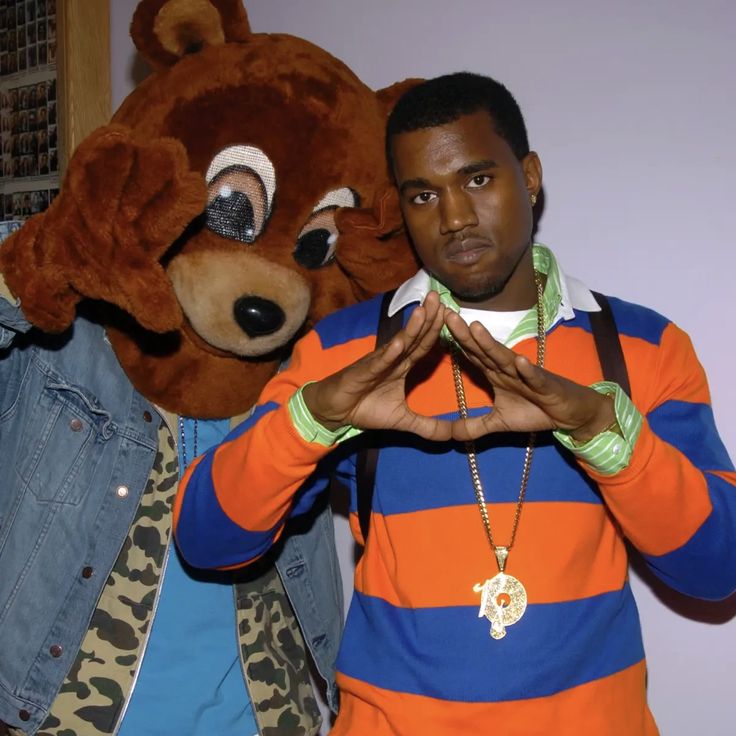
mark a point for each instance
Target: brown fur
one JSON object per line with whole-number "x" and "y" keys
{"x": 129, "y": 226}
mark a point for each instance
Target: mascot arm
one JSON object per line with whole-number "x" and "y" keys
{"x": 374, "y": 251}
{"x": 123, "y": 203}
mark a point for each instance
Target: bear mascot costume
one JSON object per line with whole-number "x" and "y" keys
{"x": 239, "y": 194}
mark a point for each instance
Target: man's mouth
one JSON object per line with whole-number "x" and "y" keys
{"x": 467, "y": 252}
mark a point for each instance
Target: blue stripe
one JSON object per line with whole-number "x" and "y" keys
{"x": 246, "y": 424}
{"x": 308, "y": 493}
{"x": 690, "y": 568}
{"x": 632, "y": 320}
{"x": 341, "y": 463}
{"x": 352, "y": 323}
{"x": 691, "y": 428}
{"x": 414, "y": 475}
{"x": 447, "y": 653}
{"x": 205, "y": 534}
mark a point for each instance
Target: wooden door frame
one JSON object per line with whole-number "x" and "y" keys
{"x": 83, "y": 71}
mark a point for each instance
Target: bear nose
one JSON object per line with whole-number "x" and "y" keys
{"x": 258, "y": 316}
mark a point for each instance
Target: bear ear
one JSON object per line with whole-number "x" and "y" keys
{"x": 165, "y": 30}
{"x": 389, "y": 96}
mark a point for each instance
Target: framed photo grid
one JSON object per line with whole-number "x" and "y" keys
{"x": 29, "y": 136}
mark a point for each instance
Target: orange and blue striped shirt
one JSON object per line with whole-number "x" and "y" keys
{"x": 415, "y": 656}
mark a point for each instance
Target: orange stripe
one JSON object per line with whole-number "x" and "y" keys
{"x": 436, "y": 392}
{"x": 230, "y": 458}
{"x": 434, "y": 557}
{"x": 329, "y": 360}
{"x": 432, "y": 390}
{"x": 728, "y": 475}
{"x": 259, "y": 509}
{"x": 681, "y": 377}
{"x": 565, "y": 342}
{"x": 309, "y": 362}
{"x": 355, "y": 530}
{"x": 660, "y": 499}
{"x": 612, "y": 706}
{"x": 642, "y": 361}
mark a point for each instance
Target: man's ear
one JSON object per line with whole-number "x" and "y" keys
{"x": 532, "y": 168}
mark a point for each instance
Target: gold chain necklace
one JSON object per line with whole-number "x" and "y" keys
{"x": 503, "y": 597}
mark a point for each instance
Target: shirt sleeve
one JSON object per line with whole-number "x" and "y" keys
{"x": 310, "y": 429}
{"x": 675, "y": 500}
{"x": 12, "y": 319}
{"x": 609, "y": 452}
{"x": 234, "y": 500}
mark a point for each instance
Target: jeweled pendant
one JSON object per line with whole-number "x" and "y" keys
{"x": 503, "y": 602}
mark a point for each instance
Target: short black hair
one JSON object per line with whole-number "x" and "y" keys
{"x": 444, "y": 99}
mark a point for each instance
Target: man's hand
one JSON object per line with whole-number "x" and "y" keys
{"x": 526, "y": 398}
{"x": 371, "y": 393}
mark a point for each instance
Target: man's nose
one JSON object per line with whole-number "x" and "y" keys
{"x": 456, "y": 212}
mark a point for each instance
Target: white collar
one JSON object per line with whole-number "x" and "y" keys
{"x": 574, "y": 295}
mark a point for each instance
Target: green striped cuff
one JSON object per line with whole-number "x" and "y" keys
{"x": 310, "y": 429}
{"x": 448, "y": 301}
{"x": 609, "y": 452}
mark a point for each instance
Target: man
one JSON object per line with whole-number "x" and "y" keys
{"x": 520, "y": 511}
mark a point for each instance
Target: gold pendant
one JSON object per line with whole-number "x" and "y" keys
{"x": 503, "y": 598}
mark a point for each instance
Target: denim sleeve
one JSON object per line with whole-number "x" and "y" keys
{"x": 12, "y": 321}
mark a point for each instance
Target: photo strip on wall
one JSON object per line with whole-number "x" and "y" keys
{"x": 29, "y": 168}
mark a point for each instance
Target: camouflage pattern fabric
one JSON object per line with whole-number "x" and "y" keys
{"x": 95, "y": 690}
{"x": 273, "y": 653}
{"x": 274, "y": 657}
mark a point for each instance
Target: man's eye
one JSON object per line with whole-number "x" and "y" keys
{"x": 423, "y": 197}
{"x": 479, "y": 180}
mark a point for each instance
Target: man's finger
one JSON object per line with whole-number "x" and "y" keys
{"x": 411, "y": 343}
{"x": 430, "y": 336}
{"x": 468, "y": 342}
{"x": 501, "y": 356}
{"x": 430, "y": 428}
{"x": 533, "y": 376}
{"x": 420, "y": 322}
{"x": 472, "y": 428}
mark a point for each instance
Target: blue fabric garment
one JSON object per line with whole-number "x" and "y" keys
{"x": 190, "y": 681}
{"x": 77, "y": 444}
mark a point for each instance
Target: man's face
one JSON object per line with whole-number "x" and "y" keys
{"x": 465, "y": 199}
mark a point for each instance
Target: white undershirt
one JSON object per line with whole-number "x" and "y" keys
{"x": 499, "y": 324}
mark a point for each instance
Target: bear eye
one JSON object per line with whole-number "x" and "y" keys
{"x": 236, "y": 205}
{"x": 317, "y": 241}
{"x": 241, "y": 184}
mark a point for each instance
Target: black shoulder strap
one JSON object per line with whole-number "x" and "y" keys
{"x": 610, "y": 355}
{"x": 367, "y": 458}
{"x": 608, "y": 344}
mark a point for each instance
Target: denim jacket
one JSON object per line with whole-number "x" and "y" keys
{"x": 77, "y": 443}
